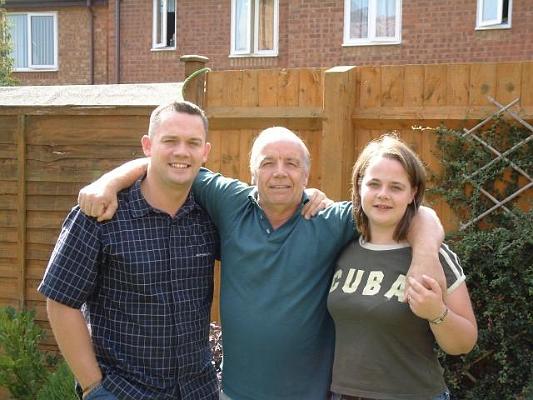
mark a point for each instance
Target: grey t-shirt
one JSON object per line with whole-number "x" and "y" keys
{"x": 382, "y": 349}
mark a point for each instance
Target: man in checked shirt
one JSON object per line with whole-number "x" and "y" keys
{"x": 129, "y": 299}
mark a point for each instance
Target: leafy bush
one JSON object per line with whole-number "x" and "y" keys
{"x": 59, "y": 386}
{"x": 497, "y": 255}
{"x": 25, "y": 370}
{"x": 6, "y": 60}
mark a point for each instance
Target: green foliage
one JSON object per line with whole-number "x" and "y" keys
{"x": 59, "y": 386}
{"x": 22, "y": 365}
{"x": 25, "y": 370}
{"x": 496, "y": 253}
{"x": 6, "y": 60}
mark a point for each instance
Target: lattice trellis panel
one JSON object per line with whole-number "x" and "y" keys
{"x": 471, "y": 133}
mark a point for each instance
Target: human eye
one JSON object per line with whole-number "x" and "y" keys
{"x": 397, "y": 188}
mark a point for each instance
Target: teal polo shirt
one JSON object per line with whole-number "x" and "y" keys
{"x": 277, "y": 334}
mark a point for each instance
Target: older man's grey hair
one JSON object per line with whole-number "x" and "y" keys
{"x": 276, "y": 134}
{"x": 185, "y": 107}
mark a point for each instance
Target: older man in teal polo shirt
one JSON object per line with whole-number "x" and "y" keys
{"x": 276, "y": 268}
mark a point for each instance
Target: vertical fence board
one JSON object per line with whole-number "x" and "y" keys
{"x": 337, "y": 145}
{"x": 230, "y": 156}
{"x": 526, "y": 94}
{"x": 268, "y": 87}
{"x": 232, "y": 90}
{"x": 392, "y": 85}
{"x": 508, "y": 82}
{"x": 413, "y": 88}
{"x": 370, "y": 92}
{"x": 458, "y": 82}
{"x": 250, "y": 91}
{"x": 482, "y": 83}
{"x": 310, "y": 87}
{"x": 213, "y": 160}
{"x": 288, "y": 87}
{"x": 435, "y": 85}
{"x": 246, "y": 139}
{"x": 215, "y": 89}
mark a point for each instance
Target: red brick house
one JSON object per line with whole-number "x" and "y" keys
{"x": 237, "y": 34}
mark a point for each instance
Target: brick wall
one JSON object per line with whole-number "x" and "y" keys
{"x": 311, "y": 34}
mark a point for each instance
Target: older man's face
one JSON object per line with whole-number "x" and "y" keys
{"x": 281, "y": 175}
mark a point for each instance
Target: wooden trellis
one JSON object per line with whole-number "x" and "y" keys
{"x": 499, "y": 156}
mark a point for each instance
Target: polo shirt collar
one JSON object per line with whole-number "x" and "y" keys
{"x": 139, "y": 207}
{"x": 253, "y": 196}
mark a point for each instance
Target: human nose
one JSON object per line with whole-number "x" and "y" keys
{"x": 280, "y": 170}
{"x": 383, "y": 193}
{"x": 179, "y": 149}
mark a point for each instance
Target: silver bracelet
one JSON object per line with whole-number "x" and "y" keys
{"x": 440, "y": 318}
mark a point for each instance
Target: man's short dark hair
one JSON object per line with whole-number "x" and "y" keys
{"x": 185, "y": 107}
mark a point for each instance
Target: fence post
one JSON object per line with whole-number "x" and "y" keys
{"x": 338, "y": 143}
{"x": 21, "y": 209}
{"x": 194, "y": 90}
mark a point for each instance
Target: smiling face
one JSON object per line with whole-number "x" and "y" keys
{"x": 281, "y": 175}
{"x": 385, "y": 193}
{"x": 177, "y": 149}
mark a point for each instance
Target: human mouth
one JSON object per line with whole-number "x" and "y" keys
{"x": 382, "y": 207}
{"x": 179, "y": 165}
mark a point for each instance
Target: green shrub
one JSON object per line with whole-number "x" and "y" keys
{"x": 497, "y": 255}
{"x": 23, "y": 368}
{"x": 59, "y": 385}
{"x": 27, "y": 372}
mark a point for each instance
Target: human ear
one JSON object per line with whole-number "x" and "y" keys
{"x": 146, "y": 143}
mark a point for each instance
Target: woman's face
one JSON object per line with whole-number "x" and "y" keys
{"x": 385, "y": 194}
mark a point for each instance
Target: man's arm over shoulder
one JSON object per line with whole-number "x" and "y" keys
{"x": 99, "y": 198}
{"x": 425, "y": 237}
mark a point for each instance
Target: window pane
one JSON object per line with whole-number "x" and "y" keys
{"x": 359, "y": 19}
{"x": 242, "y": 24}
{"x": 19, "y": 36}
{"x": 266, "y": 24}
{"x": 385, "y": 18}
{"x": 158, "y": 21}
{"x": 42, "y": 40}
{"x": 490, "y": 10}
{"x": 171, "y": 23}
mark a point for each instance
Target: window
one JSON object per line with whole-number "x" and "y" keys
{"x": 254, "y": 27}
{"x": 493, "y": 14}
{"x": 371, "y": 22}
{"x": 164, "y": 24}
{"x": 34, "y": 38}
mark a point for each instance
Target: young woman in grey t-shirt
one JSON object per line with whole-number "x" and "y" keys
{"x": 385, "y": 345}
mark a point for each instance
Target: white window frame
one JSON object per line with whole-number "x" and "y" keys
{"x": 249, "y": 51}
{"x": 497, "y": 22}
{"x": 38, "y": 67}
{"x": 163, "y": 45}
{"x": 372, "y": 39}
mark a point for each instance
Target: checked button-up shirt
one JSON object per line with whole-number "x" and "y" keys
{"x": 144, "y": 281}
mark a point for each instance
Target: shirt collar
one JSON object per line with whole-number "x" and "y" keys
{"x": 139, "y": 207}
{"x": 253, "y": 196}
